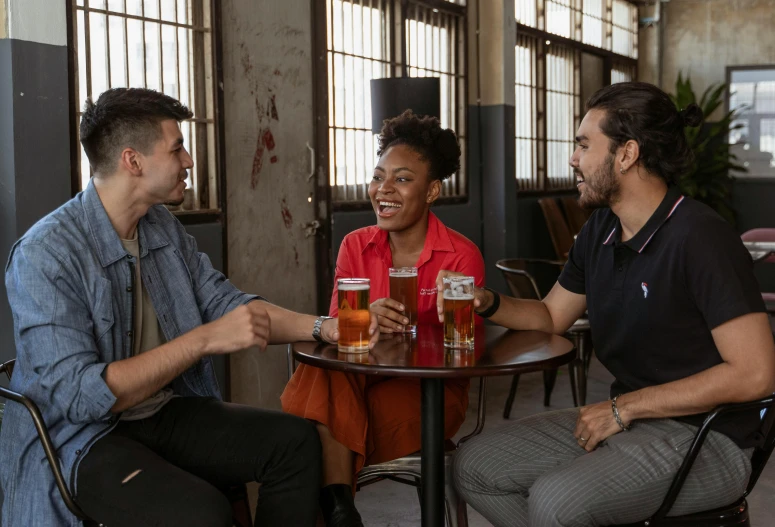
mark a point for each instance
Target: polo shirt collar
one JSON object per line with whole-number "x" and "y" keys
{"x": 638, "y": 243}
{"x": 436, "y": 239}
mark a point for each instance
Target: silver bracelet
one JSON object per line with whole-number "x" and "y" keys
{"x": 616, "y": 415}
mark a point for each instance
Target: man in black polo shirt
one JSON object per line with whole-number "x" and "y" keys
{"x": 676, "y": 316}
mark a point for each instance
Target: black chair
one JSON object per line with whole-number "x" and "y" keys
{"x": 734, "y": 514}
{"x": 521, "y": 274}
{"x": 237, "y": 495}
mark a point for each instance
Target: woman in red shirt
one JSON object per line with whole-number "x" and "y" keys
{"x": 366, "y": 419}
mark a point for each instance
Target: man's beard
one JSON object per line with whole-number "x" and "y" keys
{"x": 602, "y": 189}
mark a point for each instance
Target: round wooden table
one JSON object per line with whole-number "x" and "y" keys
{"x": 497, "y": 351}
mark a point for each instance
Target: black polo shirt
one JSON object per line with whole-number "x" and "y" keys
{"x": 654, "y": 299}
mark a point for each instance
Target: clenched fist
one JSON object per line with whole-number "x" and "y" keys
{"x": 245, "y": 326}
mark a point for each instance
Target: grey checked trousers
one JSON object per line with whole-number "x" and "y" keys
{"x": 533, "y": 472}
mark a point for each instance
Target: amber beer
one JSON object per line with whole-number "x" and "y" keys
{"x": 403, "y": 288}
{"x": 353, "y": 314}
{"x": 459, "y": 312}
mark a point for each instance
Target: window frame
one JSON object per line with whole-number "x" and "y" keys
{"x": 187, "y": 217}
{"x": 396, "y": 14}
{"x": 541, "y": 184}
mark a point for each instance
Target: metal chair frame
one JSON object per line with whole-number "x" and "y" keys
{"x": 410, "y": 466}
{"x": 735, "y": 513}
{"x": 579, "y": 333}
{"x": 237, "y": 495}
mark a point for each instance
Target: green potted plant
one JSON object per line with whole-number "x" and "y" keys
{"x": 710, "y": 177}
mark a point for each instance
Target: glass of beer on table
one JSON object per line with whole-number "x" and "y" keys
{"x": 459, "y": 312}
{"x": 353, "y": 314}
{"x": 403, "y": 289}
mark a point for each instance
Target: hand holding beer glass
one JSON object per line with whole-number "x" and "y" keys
{"x": 398, "y": 314}
{"x": 403, "y": 289}
{"x": 458, "y": 298}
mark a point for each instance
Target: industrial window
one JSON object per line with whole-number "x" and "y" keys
{"x": 551, "y": 36}
{"x": 606, "y": 24}
{"x": 165, "y": 45}
{"x": 370, "y": 39}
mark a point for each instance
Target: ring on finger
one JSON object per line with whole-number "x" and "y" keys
{"x": 583, "y": 439}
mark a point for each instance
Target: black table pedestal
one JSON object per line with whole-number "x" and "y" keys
{"x": 432, "y": 452}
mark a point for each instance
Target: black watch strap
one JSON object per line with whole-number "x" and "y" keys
{"x": 496, "y": 303}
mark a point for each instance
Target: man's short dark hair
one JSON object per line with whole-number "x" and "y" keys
{"x": 644, "y": 113}
{"x": 423, "y": 134}
{"x": 125, "y": 117}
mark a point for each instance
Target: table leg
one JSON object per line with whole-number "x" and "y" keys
{"x": 432, "y": 452}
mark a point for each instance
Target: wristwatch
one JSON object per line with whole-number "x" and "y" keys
{"x": 316, "y": 328}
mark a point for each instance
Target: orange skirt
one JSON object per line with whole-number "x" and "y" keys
{"x": 376, "y": 417}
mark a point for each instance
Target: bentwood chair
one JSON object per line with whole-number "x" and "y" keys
{"x": 736, "y": 513}
{"x": 575, "y": 215}
{"x": 407, "y": 469}
{"x": 519, "y": 274}
{"x": 237, "y": 495}
{"x": 562, "y": 238}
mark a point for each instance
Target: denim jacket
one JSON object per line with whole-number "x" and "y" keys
{"x": 69, "y": 283}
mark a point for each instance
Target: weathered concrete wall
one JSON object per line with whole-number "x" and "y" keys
{"x": 702, "y": 37}
{"x": 268, "y": 95}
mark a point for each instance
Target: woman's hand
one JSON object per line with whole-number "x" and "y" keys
{"x": 390, "y": 315}
{"x": 329, "y": 330}
{"x": 482, "y": 297}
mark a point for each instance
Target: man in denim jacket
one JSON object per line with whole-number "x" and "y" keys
{"x": 116, "y": 315}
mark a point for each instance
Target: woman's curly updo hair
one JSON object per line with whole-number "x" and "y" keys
{"x": 436, "y": 145}
{"x": 644, "y": 113}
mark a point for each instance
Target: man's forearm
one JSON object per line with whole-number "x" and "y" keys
{"x": 696, "y": 394}
{"x": 288, "y": 326}
{"x": 518, "y": 313}
{"x": 137, "y": 378}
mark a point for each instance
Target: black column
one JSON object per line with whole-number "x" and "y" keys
{"x": 34, "y": 148}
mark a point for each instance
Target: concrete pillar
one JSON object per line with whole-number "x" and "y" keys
{"x": 34, "y": 126}
{"x": 491, "y": 90}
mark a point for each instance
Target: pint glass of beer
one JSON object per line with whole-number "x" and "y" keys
{"x": 459, "y": 312}
{"x": 403, "y": 288}
{"x": 353, "y": 315}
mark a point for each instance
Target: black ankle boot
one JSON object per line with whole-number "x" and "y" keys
{"x": 338, "y": 506}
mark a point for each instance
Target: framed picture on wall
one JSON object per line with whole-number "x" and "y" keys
{"x": 752, "y": 133}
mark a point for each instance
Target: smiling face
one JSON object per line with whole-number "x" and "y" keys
{"x": 594, "y": 164}
{"x": 165, "y": 168}
{"x": 402, "y": 189}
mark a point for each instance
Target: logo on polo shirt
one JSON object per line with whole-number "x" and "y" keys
{"x": 645, "y": 287}
{"x": 427, "y": 292}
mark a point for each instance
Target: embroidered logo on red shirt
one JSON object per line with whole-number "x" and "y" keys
{"x": 427, "y": 292}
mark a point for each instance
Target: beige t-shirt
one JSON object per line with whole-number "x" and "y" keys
{"x": 148, "y": 335}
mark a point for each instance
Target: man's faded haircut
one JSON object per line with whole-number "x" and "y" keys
{"x": 125, "y": 118}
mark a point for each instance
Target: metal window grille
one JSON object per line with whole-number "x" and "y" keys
{"x": 551, "y": 35}
{"x": 606, "y": 24}
{"x": 562, "y": 113}
{"x": 368, "y": 39}
{"x": 526, "y": 105}
{"x": 621, "y": 72}
{"x": 165, "y": 45}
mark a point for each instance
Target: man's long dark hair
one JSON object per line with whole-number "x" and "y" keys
{"x": 125, "y": 117}
{"x": 644, "y": 113}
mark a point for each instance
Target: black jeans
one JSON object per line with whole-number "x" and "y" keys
{"x": 187, "y": 452}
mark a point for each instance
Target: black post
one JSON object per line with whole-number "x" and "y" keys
{"x": 432, "y": 452}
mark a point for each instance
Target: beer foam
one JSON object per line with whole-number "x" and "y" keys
{"x": 403, "y": 274}
{"x": 353, "y": 287}
{"x": 451, "y": 294}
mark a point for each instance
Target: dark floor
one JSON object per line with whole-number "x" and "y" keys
{"x": 392, "y": 504}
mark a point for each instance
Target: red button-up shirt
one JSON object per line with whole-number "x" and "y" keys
{"x": 365, "y": 253}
